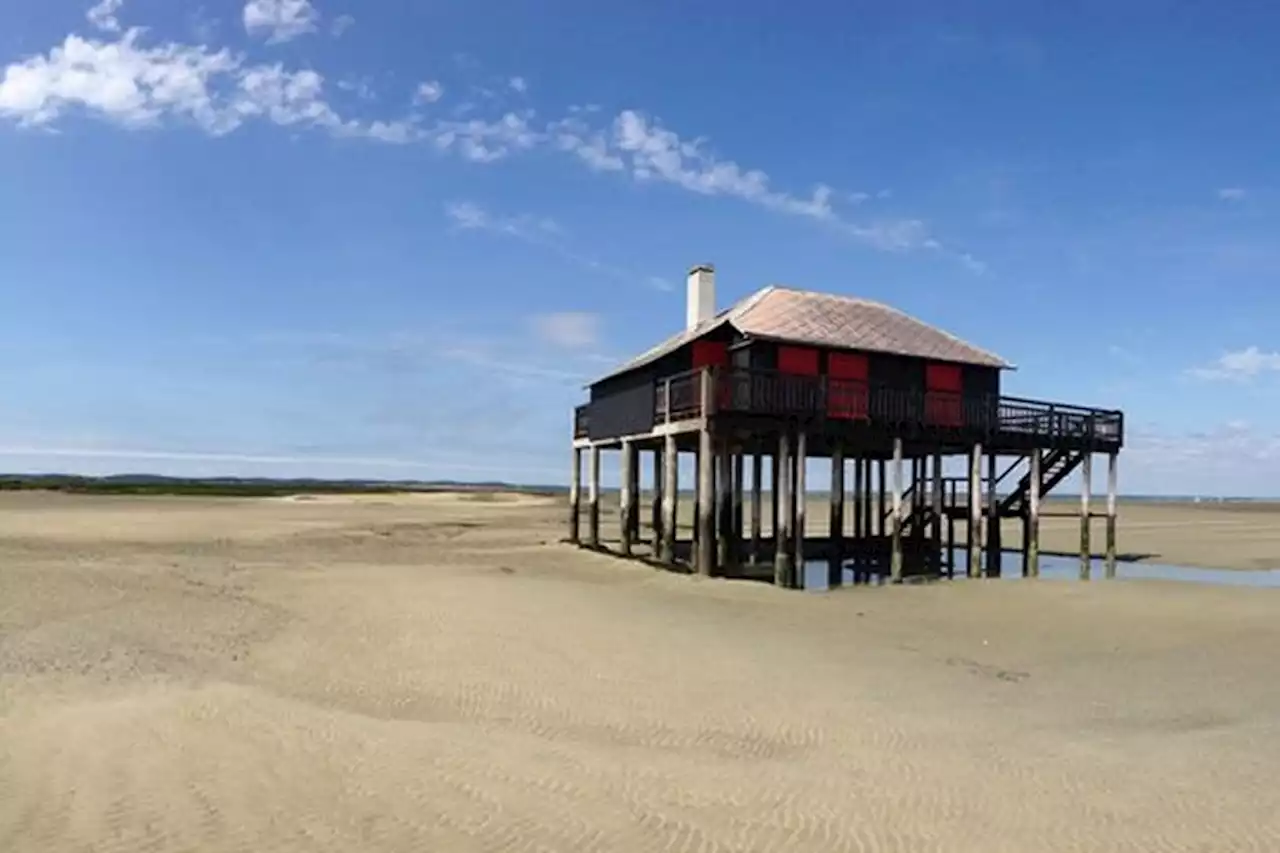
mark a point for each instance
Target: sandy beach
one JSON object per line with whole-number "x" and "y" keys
{"x": 437, "y": 672}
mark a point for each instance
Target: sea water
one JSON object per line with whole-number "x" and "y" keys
{"x": 1061, "y": 568}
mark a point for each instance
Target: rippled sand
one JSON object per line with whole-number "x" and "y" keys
{"x": 434, "y": 673}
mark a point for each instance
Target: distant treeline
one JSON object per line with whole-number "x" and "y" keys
{"x": 147, "y": 484}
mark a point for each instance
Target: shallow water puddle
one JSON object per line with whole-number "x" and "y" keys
{"x": 1062, "y": 568}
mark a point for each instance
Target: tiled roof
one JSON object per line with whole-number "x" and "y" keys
{"x": 829, "y": 320}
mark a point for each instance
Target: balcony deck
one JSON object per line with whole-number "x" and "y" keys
{"x": 757, "y": 399}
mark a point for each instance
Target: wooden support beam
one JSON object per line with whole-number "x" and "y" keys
{"x": 655, "y": 504}
{"x": 859, "y": 498}
{"x": 593, "y": 497}
{"x": 881, "y": 505}
{"x": 1111, "y": 514}
{"x": 706, "y": 503}
{"x": 835, "y": 553}
{"x": 1033, "y": 516}
{"x": 575, "y": 495}
{"x": 670, "y": 491}
{"x": 935, "y": 494}
{"x": 867, "y": 509}
{"x": 797, "y": 566}
{"x": 1086, "y": 490}
{"x": 782, "y": 509}
{"x": 975, "y": 512}
{"x": 757, "y": 473}
{"x": 775, "y": 503}
{"x": 952, "y": 500}
{"x": 895, "y": 559}
{"x": 738, "y": 487}
{"x": 726, "y": 489}
{"x": 626, "y": 495}
{"x": 995, "y": 552}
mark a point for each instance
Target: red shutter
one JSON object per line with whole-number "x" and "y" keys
{"x": 710, "y": 353}
{"x": 798, "y": 361}
{"x": 846, "y": 385}
{"x": 943, "y": 399}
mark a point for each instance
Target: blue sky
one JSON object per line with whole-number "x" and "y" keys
{"x": 392, "y": 238}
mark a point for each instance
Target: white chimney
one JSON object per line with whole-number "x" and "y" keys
{"x": 701, "y": 295}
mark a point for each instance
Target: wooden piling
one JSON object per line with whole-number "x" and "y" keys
{"x": 706, "y": 503}
{"x": 835, "y": 536}
{"x": 1111, "y": 514}
{"x": 881, "y": 504}
{"x": 952, "y": 501}
{"x": 593, "y": 497}
{"x": 895, "y": 559}
{"x": 655, "y": 504}
{"x": 775, "y": 502}
{"x": 670, "y": 490}
{"x": 865, "y": 544}
{"x": 1033, "y": 516}
{"x": 859, "y": 497}
{"x": 975, "y": 512}
{"x": 575, "y": 495}
{"x": 995, "y": 549}
{"x": 626, "y": 497}
{"x": 1086, "y": 490}
{"x": 797, "y": 566}
{"x": 782, "y": 507}
{"x": 757, "y": 472}
{"x": 935, "y": 494}
{"x": 738, "y": 487}
{"x": 726, "y": 489}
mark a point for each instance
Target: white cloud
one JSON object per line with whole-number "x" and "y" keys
{"x": 518, "y": 84}
{"x": 1240, "y": 365}
{"x": 341, "y": 24}
{"x": 568, "y": 329}
{"x": 1232, "y": 194}
{"x": 482, "y": 141}
{"x": 139, "y": 86}
{"x": 104, "y": 15}
{"x": 280, "y": 20}
{"x": 429, "y": 92}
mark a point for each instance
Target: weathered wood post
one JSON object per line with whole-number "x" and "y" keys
{"x": 782, "y": 509}
{"x": 802, "y": 457}
{"x": 995, "y": 547}
{"x": 593, "y": 497}
{"x": 881, "y": 504}
{"x": 1086, "y": 491}
{"x": 935, "y": 494}
{"x": 738, "y": 489}
{"x": 757, "y": 473}
{"x": 835, "y": 536}
{"x": 895, "y": 558}
{"x": 706, "y": 481}
{"x": 1033, "y": 516}
{"x": 975, "y": 512}
{"x": 655, "y": 503}
{"x": 775, "y": 502}
{"x": 626, "y": 495}
{"x": 867, "y": 509}
{"x": 1111, "y": 514}
{"x": 670, "y": 489}
{"x": 726, "y": 488}
{"x": 952, "y": 503}
{"x": 859, "y": 497}
{"x": 575, "y": 495}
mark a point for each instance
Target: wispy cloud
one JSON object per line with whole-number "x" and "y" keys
{"x": 1239, "y": 365}
{"x": 341, "y": 24}
{"x": 135, "y": 83}
{"x": 544, "y": 233}
{"x": 1232, "y": 194}
{"x": 568, "y": 329}
{"x": 103, "y": 15}
{"x": 280, "y": 20}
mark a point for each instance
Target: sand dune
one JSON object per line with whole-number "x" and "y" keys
{"x": 436, "y": 673}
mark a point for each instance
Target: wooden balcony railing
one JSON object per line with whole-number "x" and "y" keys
{"x": 770, "y": 393}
